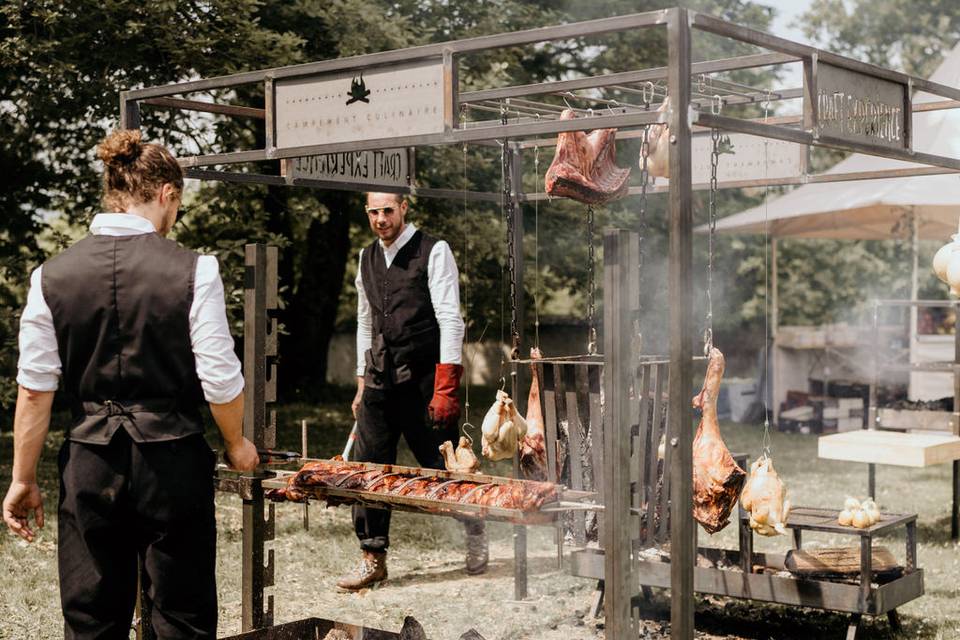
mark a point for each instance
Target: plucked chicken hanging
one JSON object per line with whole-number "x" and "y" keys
{"x": 765, "y": 498}
{"x": 461, "y": 460}
{"x": 658, "y": 147}
{"x": 533, "y": 449}
{"x": 584, "y": 166}
{"x": 717, "y": 478}
{"x": 503, "y": 429}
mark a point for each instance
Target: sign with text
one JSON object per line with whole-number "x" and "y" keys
{"x": 388, "y": 167}
{"x": 402, "y": 100}
{"x": 746, "y": 157}
{"x": 860, "y": 107}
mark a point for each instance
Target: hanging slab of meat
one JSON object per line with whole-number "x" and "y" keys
{"x": 717, "y": 478}
{"x": 462, "y": 459}
{"x": 765, "y": 498}
{"x": 533, "y": 449}
{"x": 658, "y": 147}
{"x": 503, "y": 429}
{"x": 337, "y": 474}
{"x": 584, "y": 167}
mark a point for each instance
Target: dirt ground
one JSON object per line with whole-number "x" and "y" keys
{"x": 427, "y": 580}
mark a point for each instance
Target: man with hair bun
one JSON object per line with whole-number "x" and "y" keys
{"x": 132, "y": 328}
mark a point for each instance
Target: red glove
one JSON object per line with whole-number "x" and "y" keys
{"x": 444, "y": 409}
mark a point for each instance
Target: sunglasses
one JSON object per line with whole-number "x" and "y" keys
{"x": 385, "y": 210}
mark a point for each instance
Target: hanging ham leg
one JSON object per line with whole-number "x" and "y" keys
{"x": 717, "y": 478}
{"x": 533, "y": 449}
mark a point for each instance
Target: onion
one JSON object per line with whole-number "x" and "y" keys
{"x": 860, "y": 519}
{"x": 845, "y": 517}
{"x": 851, "y": 504}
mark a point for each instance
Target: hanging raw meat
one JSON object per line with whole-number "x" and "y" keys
{"x": 503, "y": 429}
{"x": 533, "y": 449}
{"x": 717, "y": 478}
{"x": 584, "y": 167}
{"x": 658, "y": 147}
{"x": 462, "y": 460}
{"x": 765, "y": 498}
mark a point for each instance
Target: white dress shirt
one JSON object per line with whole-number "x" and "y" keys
{"x": 443, "y": 280}
{"x": 217, "y": 365}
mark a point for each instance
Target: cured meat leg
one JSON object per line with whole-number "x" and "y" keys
{"x": 584, "y": 166}
{"x": 717, "y": 478}
{"x": 533, "y": 449}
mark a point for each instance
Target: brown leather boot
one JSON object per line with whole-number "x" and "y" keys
{"x": 371, "y": 570}
{"x": 478, "y": 554}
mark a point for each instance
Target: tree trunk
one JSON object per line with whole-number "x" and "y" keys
{"x": 312, "y": 314}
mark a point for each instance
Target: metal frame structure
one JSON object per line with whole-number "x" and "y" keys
{"x": 532, "y": 121}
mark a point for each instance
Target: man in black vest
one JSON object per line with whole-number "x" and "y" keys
{"x": 132, "y": 328}
{"x": 409, "y": 346}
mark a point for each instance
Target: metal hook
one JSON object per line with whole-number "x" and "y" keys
{"x": 707, "y": 341}
{"x": 647, "y": 99}
{"x": 701, "y": 83}
{"x": 716, "y": 105}
{"x": 564, "y": 98}
{"x": 503, "y": 383}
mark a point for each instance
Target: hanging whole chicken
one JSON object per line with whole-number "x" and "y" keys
{"x": 765, "y": 498}
{"x": 717, "y": 478}
{"x": 658, "y": 147}
{"x": 946, "y": 264}
{"x": 584, "y": 167}
{"x": 461, "y": 460}
{"x": 503, "y": 428}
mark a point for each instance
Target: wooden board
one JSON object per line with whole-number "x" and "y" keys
{"x": 890, "y": 447}
{"x": 908, "y": 420}
{"x": 829, "y": 562}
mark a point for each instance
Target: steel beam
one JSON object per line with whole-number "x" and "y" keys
{"x": 206, "y": 107}
{"x": 259, "y": 426}
{"x": 680, "y": 279}
{"x": 129, "y": 112}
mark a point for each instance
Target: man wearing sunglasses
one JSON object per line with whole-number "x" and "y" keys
{"x": 409, "y": 344}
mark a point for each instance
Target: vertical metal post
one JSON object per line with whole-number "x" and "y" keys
{"x": 129, "y": 112}
{"x": 450, "y": 91}
{"x": 515, "y": 167}
{"x": 621, "y": 303}
{"x": 680, "y": 428}
{"x": 259, "y": 425}
{"x": 955, "y": 507}
{"x": 270, "y": 122}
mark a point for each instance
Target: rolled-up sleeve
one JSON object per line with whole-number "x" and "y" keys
{"x": 364, "y": 321}
{"x": 443, "y": 280}
{"x": 39, "y": 365}
{"x": 213, "y": 348}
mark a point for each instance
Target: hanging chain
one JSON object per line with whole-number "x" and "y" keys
{"x": 466, "y": 281}
{"x": 510, "y": 211}
{"x": 766, "y": 290}
{"x": 714, "y": 161}
{"x": 644, "y": 181}
{"x": 591, "y": 285}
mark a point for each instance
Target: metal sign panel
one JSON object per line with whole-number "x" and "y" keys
{"x": 860, "y": 107}
{"x": 746, "y": 157}
{"x": 388, "y": 167}
{"x": 401, "y": 100}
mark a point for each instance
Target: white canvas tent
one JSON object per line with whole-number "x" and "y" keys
{"x": 912, "y": 208}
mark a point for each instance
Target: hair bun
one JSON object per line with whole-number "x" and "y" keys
{"x": 121, "y": 147}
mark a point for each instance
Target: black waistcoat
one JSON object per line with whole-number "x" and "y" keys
{"x": 121, "y": 312}
{"x": 406, "y": 336}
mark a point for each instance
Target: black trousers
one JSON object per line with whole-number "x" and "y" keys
{"x": 127, "y": 500}
{"x": 385, "y": 415}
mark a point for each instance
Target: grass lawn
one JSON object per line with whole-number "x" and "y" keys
{"x": 426, "y": 564}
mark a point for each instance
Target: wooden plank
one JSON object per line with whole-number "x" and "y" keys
{"x": 550, "y": 427}
{"x": 837, "y": 561}
{"x": 664, "y": 475}
{"x": 575, "y": 446}
{"x": 924, "y": 420}
{"x": 596, "y": 429}
{"x": 818, "y": 519}
{"x": 890, "y": 447}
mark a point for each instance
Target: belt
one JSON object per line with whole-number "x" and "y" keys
{"x": 129, "y": 408}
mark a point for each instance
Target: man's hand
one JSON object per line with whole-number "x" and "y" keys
{"x": 444, "y": 408}
{"x": 242, "y": 455}
{"x": 355, "y": 406}
{"x": 23, "y": 498}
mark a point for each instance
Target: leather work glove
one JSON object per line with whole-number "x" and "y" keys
{"x": 444, "y": 408}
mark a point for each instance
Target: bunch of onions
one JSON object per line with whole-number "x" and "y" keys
{"x": 859, "y": 514}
